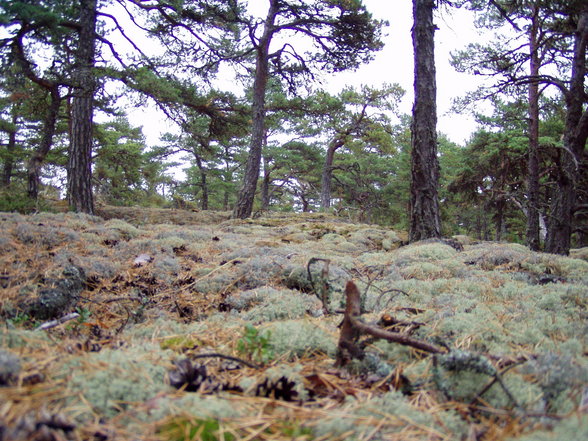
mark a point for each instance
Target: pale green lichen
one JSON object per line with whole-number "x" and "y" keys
{"x": 425, "y": 271}
{"x": 579, "y": 253}
{"x": 16, "y": 338}
{"x": 557, "y": 374}
{"x": 297, "y": 338}
{"x": 111, "y": 381}
{"x": 491, "y": 255}
{"x": 127, "y": 230}
{"x": 395, "y": 413}
{"x": 420, "y": 251}
{"x": 268, "y": 304}
{"x": 574, "y": 428}
{"x": 162, "y": 328}
{"x": 217, "y": 407}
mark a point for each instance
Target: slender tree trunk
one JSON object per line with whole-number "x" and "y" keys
{"x": 10, "y": 152}
{"x": 533, "y": 237}
{"x": 244, "y": 206}
{"x": 305, "y": 204}
{"x": 203, "y": 182}
{"x": 79, "y": 172}
{"x": 499, "y": 219}
{"x": 40, "y": 153}
{"x": 265, "y": 192}
{"x": 425, "y": 220}
{"x": 327, "y": 174}
{"x": 576, "y": 132}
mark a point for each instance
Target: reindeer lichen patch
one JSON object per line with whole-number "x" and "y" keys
{"x": 111, "y": 381}
{"x": 300, "y": 337}
{"x": 572, "y": 429}
{"x": 17, "y": 338}
{"x": 162, "y": 328}
{"x": 217, "y": 407}
{"x": 579, "y": 253}
{"x": 267, "y": 304}
{"x": 127, "y": 230}
{"x": 421, "y": 251}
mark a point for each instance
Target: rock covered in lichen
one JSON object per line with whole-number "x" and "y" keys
{"x": 54, "y": 301}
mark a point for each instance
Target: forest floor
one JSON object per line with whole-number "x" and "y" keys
{"x": 192, "y": 326}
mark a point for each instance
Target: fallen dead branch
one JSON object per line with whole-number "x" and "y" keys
{"x": 57, "y": 322}
{"x": 353, "y": 328}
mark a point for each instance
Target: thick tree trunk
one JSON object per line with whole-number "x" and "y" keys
{"x": 533, "y": 237}
{"x": 79, "y": 172}
{"x": 576, "y": 132}
{"x": 327, "y": 174}
{"x": 244, "y": 206}
{"x": 425, "y": 220}
{"x": 40, "y": 153}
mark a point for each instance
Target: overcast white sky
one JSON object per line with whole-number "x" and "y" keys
{"x": 394, "y": 64}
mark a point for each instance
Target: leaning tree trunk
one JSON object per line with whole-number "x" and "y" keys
{"x": 244, "y": 205}
{"x": 559, "y": 230}
{"x": 79, "y": 171}
{"x": 533, "y": 237}
{"x": 327, "y": 174}
{"x": 424, "y": 202}
{"x": 40, "y": 153}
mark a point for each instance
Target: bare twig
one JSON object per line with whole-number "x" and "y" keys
{"x": 226, "y": 357}
{"x": 353, "y": 327}
{"x": 59, "y": 321}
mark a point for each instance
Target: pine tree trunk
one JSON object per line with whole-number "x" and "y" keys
{"x": 560, "y": 223}
{"x": 327, "y": 174}
{"x": 265, "y": 191}
{"x": 40, "y": 153}
{"x": 244, "y": 205}
{"x": 8, "y": 160}
{"x": 203, "y": 182}
{"x": 424, "y": 203}
{"x": 79, "y": 173}
{"x": 533, "y": 237}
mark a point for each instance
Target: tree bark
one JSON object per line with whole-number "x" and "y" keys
{"x": 327, "y": 174}
{"x": 79, "y": 171}
{"x": 560, "y": 223}
{"x": 533, "y": 237}
{"x": 203, "y": 182}
{"x": 265, "y": 191}
{"x": 10, "y": 151}
{"x": 40, "y": 153}
{"x": 499, "y": 219}
{"x": 244, "y": 205}
{"x": 425, "y": 220}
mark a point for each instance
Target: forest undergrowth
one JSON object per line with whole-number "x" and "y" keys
{"x": 172, "y": 325}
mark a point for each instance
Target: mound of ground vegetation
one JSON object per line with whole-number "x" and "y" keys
{"x": 174, "y": 325}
